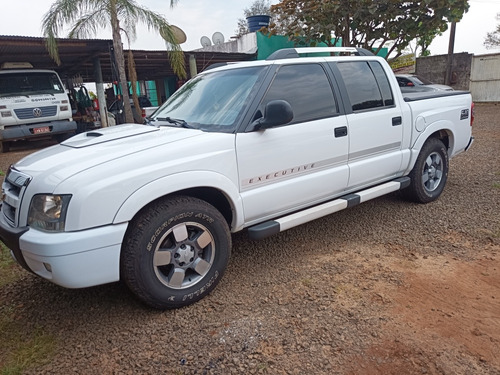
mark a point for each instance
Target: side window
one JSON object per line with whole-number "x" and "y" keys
{"x": 307, "y": 88}
{"x": 383, "y": 83}
{"x": 364, "y": 89}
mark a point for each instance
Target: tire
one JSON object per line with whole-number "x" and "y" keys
{"x": 61, "y": 137}
{"x": 430, "y": 173}
{"x": 175, "y": 252}
{"x": 4, "y": 147}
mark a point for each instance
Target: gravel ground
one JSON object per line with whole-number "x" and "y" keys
{"x": 387, "y": 287}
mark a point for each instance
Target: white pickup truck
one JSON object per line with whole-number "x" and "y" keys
{"x": 263, "y": 146}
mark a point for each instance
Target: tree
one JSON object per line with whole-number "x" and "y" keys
{"x": 367, "y": 23}
{"x": 492, "y": 39}
{"x": 86, "y": 16}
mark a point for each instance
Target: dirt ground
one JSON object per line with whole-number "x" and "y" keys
{"x": 387, "y": 287}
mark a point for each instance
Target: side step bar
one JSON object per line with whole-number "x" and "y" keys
{"x": 271, "y": 227}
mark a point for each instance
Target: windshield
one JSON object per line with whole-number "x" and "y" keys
{"x": 211, "y": 101}
{"x": 19, "y": 84}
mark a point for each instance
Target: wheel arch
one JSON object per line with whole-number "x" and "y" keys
{"x": 216, "y": 189}
{"x": 440, "y": 130}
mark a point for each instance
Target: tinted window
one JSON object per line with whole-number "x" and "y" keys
{"x": 362, "y": 86}
{"x": 403, "y": 82}
{"x": 383, "y": 83}
{"x": 307, "y": 88}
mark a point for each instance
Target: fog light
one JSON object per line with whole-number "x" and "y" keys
{"x": 48, "y": 267}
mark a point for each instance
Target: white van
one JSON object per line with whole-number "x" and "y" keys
{"x": 33, "y": 103}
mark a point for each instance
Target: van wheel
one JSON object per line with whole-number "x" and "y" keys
{"x": 175, "y": 252}
{"x": 62, "y": 137}
{"x": 430, "y": 173}
{"x": 4, "y": 147}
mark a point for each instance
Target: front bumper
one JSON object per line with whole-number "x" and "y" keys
{"x": 70, "y": 259}
{"x": 26, "y": 131}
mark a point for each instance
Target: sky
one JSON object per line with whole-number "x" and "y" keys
{"x": 199, "y": 18}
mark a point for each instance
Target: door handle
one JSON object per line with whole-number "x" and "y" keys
{"x": 397, "y": 121}
{"x": 340, "y": 132}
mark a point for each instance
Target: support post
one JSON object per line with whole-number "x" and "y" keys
{"x": 451, "y": 47}
{"x": 101, "y": 96}
{"x": 192, "y": 66}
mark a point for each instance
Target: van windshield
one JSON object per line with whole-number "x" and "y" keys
{"x": 27, "y": 83}
{"x": 212, "y": 101}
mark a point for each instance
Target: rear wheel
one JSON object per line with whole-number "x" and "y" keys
{"x": 430, "y": 173}
{"x": 175, "y": 252}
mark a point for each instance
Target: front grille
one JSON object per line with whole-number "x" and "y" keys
{"x": 13, "y": 188}
{"x": 36, "y": 112}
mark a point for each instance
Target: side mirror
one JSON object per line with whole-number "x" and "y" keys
{"x": 277, "y": 112}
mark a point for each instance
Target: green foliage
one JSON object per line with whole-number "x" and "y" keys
{"x": 85, "y": 17}
{"x": 367, "y": 23}
{"x": 492, "y": 39}
{"x": 258, "y": 7}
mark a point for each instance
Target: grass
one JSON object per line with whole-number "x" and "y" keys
{"x": 21, "y": 346}
{"x": 9, "y": 270}
{"x": 20, "y": 349}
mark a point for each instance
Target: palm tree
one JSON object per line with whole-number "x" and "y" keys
{"x": 86, "y": 16}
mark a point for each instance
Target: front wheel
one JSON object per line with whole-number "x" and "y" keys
{"x": 175, "y": 252}
{"x": 4, "y": 147}
{"x": 430, "y": 173}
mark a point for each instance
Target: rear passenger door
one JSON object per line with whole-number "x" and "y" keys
{"x": 375, "y": 123}
{"x": 303, "y": 162}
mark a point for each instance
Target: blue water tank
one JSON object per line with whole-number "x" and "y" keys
{"x": 257, "y": 22}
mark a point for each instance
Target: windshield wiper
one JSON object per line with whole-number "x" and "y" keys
{"x": 175, "y": 121}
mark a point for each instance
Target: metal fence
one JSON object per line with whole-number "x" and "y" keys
{"x": 485, "y": 78}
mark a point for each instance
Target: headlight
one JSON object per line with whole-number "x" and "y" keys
{"x": 48, "y": 212}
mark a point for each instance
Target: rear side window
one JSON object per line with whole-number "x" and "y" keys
{"x": 307, "y": 88}
{"x": 383, "y": 83}
{"x": 366, "y": 84}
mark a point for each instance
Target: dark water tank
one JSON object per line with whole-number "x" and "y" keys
{"x": 256, "y": 22}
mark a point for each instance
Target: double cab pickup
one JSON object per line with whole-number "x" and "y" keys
{"x": 261, "y": 146}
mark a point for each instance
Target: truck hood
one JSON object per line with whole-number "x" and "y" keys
{"x": 83, "y": 151}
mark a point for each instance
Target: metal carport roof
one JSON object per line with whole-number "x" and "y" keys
{"x": 78, "y": 56}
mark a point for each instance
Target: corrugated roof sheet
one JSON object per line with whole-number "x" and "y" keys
{"x": 78, "y": 57}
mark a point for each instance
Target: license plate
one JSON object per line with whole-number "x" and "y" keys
{"x": 43, "y": 129}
